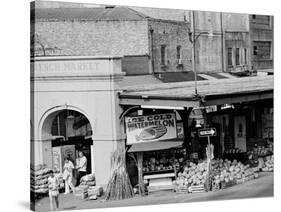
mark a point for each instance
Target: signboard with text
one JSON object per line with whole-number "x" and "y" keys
{"x": 150, "y": 128}
{"x": 207, "y": 132}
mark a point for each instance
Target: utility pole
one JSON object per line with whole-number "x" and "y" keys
{"x": 194, "y": 52}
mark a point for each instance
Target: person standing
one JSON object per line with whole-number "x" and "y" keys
{"x": 68, "y": 175}
{"x": 81, "y": 166}
{"x": 53, "y": 186}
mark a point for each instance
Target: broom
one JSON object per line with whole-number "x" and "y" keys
{"x": 119, "y": 186}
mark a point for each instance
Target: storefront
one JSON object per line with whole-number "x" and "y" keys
{"x": 91, "y": 88}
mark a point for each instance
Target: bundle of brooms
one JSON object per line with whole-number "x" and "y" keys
{"x": 119, "y": 185}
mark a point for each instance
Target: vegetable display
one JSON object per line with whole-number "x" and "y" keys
{"x": 223, "y": 171}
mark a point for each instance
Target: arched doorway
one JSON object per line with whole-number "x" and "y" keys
{"x": 64, "y": 132}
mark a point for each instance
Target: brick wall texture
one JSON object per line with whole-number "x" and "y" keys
{"x": 171, "y": 34}
{"x": 96, "y": 37}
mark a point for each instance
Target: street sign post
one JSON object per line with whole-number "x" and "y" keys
{"x": 207, "y": 132}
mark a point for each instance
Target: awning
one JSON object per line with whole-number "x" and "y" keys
{"x": 156, "y": 145}
{"x": 210, "y": 92}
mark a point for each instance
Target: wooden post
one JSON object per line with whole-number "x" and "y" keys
{"x": 174, "y": 164}
{"x": 140, "y": 173}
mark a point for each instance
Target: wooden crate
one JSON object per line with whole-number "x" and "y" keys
{"x": 197, "y": 189}
{"x": 215, "y": 186}
{"x": 181, "y": 189}
{"x": 227, "y": 185}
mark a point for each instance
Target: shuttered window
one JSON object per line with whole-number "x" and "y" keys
{"x": 262, "y": 50}
{"x": 229, "y": 56}
{"x": 163, "y": 54}
{"x": 178, "y": 52}
{"x": 245, "y": 56}
{"x": 237, "y": 56}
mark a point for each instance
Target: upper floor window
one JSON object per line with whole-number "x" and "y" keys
{"x": 229, "y": 57}
{"x": 237, "y": 56}
{"x": 245, "y": 56}
{"x": 261, "y": 19}
{"x": 178, "y": 52}
{"x": 262, "y": 50}
{"x": 163, "y": 54}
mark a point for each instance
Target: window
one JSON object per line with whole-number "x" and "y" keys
{"x": 178, "y": 52}
{"x": 245, "y": 56}
{"x": 262, "y": 50}
{"x": 163, "y": 54}
{"x": 229, "y": 56}
{"x": 261, "y": 19}
{"x": 255, "y": 50}
{"x": 237, "y": 57}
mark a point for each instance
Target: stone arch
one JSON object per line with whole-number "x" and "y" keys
{"x": 47, "y": 118}
{"x": 45, "y": 132}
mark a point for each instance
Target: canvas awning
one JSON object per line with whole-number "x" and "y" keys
{"x": 153, "y": 146}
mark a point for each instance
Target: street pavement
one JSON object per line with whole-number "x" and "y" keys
{"x": 261, "y": 187}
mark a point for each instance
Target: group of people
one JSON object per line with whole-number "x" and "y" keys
{"x": 68, "y": 169}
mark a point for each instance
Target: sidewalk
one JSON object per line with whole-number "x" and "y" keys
{"x": 261, "y": 187}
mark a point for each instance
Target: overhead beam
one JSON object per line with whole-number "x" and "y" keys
{"x": 159, "y": 102}
{"x": 237, "y": 99}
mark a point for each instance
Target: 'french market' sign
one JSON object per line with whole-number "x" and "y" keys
{"x": 150, "y": 128}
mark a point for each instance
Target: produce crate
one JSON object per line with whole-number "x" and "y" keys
{"x": 227, "y": 184}
{"x": 95, "y": 190}
{"x": 197, "y": 189}
{"x": 181, "y": 189}
{"x": 81, "y": 191}
{"x": 215, "y": 186}
{"x": 239, "y": 181}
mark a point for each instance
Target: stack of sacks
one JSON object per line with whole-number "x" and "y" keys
{"x": 41, "y": 180}
{"x": 88, "y": 180}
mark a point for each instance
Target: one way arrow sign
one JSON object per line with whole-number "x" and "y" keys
{"x": 207, "y": 132}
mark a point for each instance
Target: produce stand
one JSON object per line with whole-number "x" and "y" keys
{"x": 158, "y": 179}
{"x": 240, "y": 156}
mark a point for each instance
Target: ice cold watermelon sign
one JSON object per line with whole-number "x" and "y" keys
{"x": 150, "y": 128}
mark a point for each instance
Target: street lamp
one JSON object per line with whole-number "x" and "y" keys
{"x": 193, "y": 38}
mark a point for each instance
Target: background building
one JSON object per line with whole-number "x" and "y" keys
{"x": 261, "y": 31}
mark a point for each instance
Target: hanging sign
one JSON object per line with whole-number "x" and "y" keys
{"x": 150, "y": 128}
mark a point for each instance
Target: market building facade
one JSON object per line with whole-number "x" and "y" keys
{"x": 83, "y": 102}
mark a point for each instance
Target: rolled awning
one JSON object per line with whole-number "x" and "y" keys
{"x": 156, "y": 145}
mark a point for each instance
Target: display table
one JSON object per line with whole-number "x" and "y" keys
{"x": 160, "y": 181}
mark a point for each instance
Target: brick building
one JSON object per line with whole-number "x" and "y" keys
{"x": 261, "y": 31}
{"x": 148, "y": 45}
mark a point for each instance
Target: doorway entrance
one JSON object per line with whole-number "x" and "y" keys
{"x": 67, "y": 132}
{"x": 240, "y": 132}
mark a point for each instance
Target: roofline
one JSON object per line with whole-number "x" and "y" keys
{"x": 66, "y": 58}
{"x": 169, "y": 21}
{"x": 191, "y": 101}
